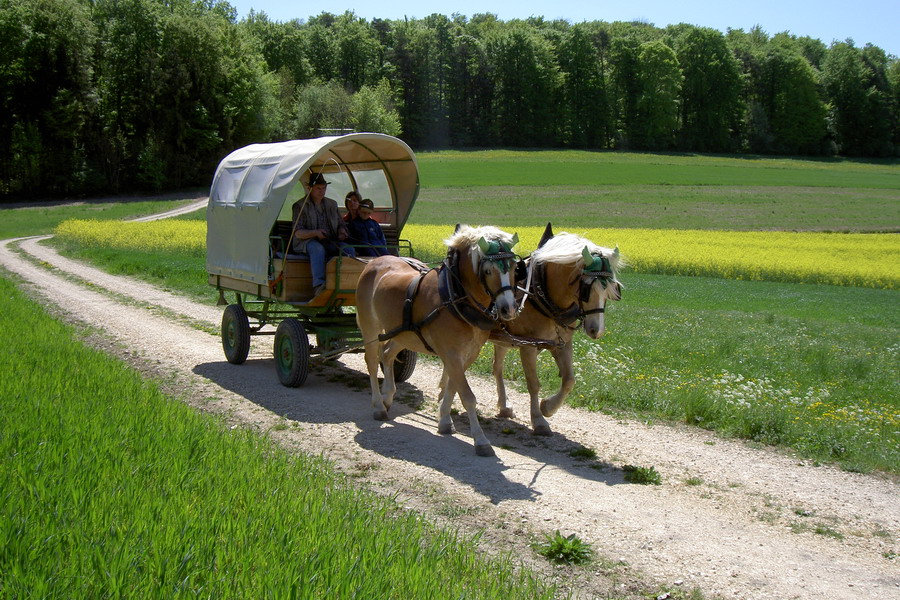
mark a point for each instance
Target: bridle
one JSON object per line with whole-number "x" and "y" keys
{"x": 598, "y": 269}
{"x": 505, "y": 259}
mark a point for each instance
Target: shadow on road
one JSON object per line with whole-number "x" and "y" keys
{"x": 335, "y": 393}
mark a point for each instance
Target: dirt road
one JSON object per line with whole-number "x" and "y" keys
{"x": 732, "y": 520}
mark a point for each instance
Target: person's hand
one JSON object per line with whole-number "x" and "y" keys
{"x": 321, "y": 234}
{"x": 342, "y": 235}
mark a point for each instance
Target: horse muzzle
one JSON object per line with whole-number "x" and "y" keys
{"x": 594, "y": 326}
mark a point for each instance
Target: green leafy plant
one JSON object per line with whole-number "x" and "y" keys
{"x": 642, "y": 475}
{"x": 583, "y": 452}
{"x": 568, "y": 550}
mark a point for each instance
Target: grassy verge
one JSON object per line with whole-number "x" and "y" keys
{"x": 110, "y": 489}
{"x": 812, "y": 368}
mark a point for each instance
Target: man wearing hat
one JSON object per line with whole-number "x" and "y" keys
{"x": 319, "y": 230}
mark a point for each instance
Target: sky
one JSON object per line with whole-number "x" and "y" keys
{"x": 865, "y": 21}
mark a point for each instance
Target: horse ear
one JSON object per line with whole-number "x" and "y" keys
{"x": 548, "y": 234}
{"x": 484, "y": 245}
{"x": 587, "y": 256}
{"x": 458, "y": 226}
{"x": 616, "y": 251}
{"x": 515, "y": 240}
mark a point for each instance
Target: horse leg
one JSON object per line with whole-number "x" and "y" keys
{"x": 389, "y": 352}
{"x": 503, "y": 411}
{"x": 373, "y": 359}
{"x": 374, "y": 348}
{"x": 445, "y": 399}
{"x": 563, "y": 360}
{"x": 457, "y": 379}
{"x": 528, "y": 355}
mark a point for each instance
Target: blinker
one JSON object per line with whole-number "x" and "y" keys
{"x": 499, "y": 252}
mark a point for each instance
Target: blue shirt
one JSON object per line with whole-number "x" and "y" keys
{"x": 367, "y": 232}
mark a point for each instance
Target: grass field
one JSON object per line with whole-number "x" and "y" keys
{"x": 582, "y": 168}
{"x": 659, "y": 191}
{"x": 113, "y": 490}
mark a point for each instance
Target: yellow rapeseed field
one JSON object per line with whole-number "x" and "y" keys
{"x": 167, "y": 235}
{"x": 866, "y": 260}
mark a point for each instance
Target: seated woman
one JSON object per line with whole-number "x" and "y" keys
{"x": 351, "y": 203}
{"x": 365, "y": 231}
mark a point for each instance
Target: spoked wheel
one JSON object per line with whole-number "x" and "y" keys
{"x": 404, "y": 365}
{"x": 291, "y": 353}
{"x": 235, "y": 334}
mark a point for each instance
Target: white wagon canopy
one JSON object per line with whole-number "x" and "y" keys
{"x": 255, "y": 186}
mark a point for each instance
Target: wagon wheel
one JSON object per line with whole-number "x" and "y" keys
{"x": 235, "y": 334}
{"x": 404, "y": 365}
{"x": 291, "y": 353}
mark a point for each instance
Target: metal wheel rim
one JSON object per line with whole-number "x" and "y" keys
{"x": 285, "y": 354}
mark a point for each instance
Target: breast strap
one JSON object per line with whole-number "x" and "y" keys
{"x": 545, "y": 306}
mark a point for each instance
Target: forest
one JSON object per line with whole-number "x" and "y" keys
{"x": 113, "y": 96}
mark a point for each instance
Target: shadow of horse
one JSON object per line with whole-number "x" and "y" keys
{"x": 335, "y": 393}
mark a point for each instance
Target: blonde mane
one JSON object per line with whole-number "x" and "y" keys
{"x": 467, "y": 237}
{"x": 566, "y": 247}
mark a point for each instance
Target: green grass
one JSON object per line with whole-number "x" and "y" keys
{"x": 171, "y": 271}
{"x": 111, "y": 489}
{"x": 605, "y": 189}
{"x": 665, "y": 207}
{"x": 584, "y": 168}
{"x": 43, "y": 218}
{"x": 803, "y": 366}
{"x": 642, "y": 475}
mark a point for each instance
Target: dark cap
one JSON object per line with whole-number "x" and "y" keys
{"x": 316, "y": 179}
{"x": 366, "y": 203}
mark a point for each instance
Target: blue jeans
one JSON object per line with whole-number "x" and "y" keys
{"x": 320, "y": 252}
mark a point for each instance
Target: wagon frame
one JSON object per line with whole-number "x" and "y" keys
{"x": 249, "y": 234}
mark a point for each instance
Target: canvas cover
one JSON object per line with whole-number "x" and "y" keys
{"x": 256, "y": 185}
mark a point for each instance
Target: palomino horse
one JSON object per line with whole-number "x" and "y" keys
{"x": 448, "y": 311}
{"x": 568, "y": 278}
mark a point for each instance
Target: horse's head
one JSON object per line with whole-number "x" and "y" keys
{"x": 577, "y": 278}
{"x": 597, "y": 284}
{"x": 492, "y": 262}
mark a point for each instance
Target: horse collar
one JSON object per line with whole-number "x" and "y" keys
{"x": 457, "y": 299}
{"x": 541, "y": 299}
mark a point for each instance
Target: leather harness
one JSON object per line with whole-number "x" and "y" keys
{"x": 453, "y": 297}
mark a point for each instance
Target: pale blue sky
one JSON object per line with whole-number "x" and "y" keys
{"x": 874, "y": 21}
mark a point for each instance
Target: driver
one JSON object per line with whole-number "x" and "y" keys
{"x": 319, "y": 229}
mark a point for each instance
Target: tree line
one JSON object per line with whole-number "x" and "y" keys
{"x": 124, "y": 95}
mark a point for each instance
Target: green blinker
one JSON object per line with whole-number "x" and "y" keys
{"x": 591, "y": 262}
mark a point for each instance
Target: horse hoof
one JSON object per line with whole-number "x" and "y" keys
{"x": 381, "y": 415}
{"x": 446, "y": 429}
{"x": 545, "y": 409}
{"x": 542, "y": 430}
{"x": 506, "y": 413}
{"x": 485, "y": 450}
